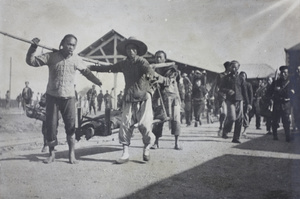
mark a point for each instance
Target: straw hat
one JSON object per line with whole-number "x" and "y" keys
{"x": 141, "y": 46}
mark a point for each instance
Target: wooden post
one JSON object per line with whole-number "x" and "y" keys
{"x": 10, "y": 74}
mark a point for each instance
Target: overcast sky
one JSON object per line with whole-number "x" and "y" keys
{"x": 200, "y": 32}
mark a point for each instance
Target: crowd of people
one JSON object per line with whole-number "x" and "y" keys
{"x": 154, "y": 95}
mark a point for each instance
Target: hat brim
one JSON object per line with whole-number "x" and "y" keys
{"x": 281, "y": 68}
{"x": 142, "y": 48}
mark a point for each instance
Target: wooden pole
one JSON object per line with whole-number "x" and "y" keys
{"x": 50, "y": 48}
{"x": 10, "y": 74}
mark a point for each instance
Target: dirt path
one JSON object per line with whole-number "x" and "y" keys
{"x": 207, "y": 167}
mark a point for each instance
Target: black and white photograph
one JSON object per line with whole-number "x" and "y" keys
{"x": 160, "y": 99}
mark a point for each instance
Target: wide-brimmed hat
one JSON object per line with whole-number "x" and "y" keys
{"x": 142, "y": 47}
{"x": 281, "y": 68}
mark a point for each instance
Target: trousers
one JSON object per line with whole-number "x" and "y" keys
{"x": 138, "y": 114}
{"x": 234, "y": 115}
{"x": 66, "y": 106}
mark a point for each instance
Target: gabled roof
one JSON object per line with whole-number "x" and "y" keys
{"x": 257, "y": 70}
{"x": 100, "y": 41}
{"x": 104, "y": 49}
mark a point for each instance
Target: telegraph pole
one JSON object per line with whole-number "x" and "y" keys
{"x": 10, "y": 73}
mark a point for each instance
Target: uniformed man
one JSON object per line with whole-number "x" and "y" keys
{"x": 280, "y": 93}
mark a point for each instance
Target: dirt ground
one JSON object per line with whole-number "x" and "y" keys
{"x": 207, "y": 167}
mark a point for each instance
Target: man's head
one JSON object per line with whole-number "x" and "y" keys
{"x": 284, "y": 72}
{"x": 226, "y": 65}
{"x": 68, "y": 44}
{"x": 132, "y": 47}
{"x": 234, "y": 66}
{"x": 131, "y": 50}
{"x": 198, "y": 82}
{"x": 26, "y": 83}
{"x": 160, "y": 57}
{"x": 197, "y": 72}
{"x": 243, "y": 75}
{"x": 93, "y": 87}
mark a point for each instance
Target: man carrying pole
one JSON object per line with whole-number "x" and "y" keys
{"x": 137, "y": 105}
{"x": 60, "y": 92}
{"x": 170, "y": 98}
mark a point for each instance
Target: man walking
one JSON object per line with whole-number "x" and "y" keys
{"x": 91, "y": 96}
{"x": 280, "y": 91}
{"x": 26, "y": 95}
{"x": 60, "y": 93}
{"x": 170, "y": 97}
{"x": 220, "y": 97}
{"x": 235, "y": 89}
{"x": 137, "y": 106}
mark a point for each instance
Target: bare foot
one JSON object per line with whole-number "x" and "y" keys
{"x": 44, "y": 149}
{"x": 50, "y": 159}
{"x": 72, "y": 159}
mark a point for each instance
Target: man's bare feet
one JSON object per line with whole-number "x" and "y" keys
{"x": 71, "y": 143}
{"x": 72, "y": 159}
{"x": 44, "y": 149}
{"x": 50, "y": 159}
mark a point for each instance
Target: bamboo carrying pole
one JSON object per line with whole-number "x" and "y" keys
{"x": 84, "y": 59}
{"x": 50, "y": 48}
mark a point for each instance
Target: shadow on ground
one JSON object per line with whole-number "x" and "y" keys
{"x": 230, "y": 176}
{"x": 236, "y": 176}
{"x": 80, "y": 154}
{"x": 267, "y": 144}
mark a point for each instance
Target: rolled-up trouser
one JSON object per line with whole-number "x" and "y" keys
{"x": 234, "y": 115}
{"x": 66, "y": 106}
{"x": 139, "y": 113}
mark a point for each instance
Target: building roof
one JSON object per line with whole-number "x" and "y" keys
{"x": 104, "y": 49}
{"x": 257, "y": 70}
{"x": 293, "y": 48}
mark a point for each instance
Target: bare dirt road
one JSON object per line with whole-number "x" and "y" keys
{"x": 207, "y": 167}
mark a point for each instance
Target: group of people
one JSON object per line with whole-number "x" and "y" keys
{"x": 152, "y": 95}
{"x": 94, "y": 99}
{"x": 273, "y": 99}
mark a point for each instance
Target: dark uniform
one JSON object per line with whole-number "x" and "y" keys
{"x": 234, "y": 104}
{"x": 280, "y": 92}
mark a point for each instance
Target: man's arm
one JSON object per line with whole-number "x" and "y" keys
{"x": 244, "y": 92}
{"x": 33, "y": 60}
{"x": 90, "y": 76}
{"x": 111, "y": 68}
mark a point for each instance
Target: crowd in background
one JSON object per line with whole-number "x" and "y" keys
{"x": 208, "y": 102}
